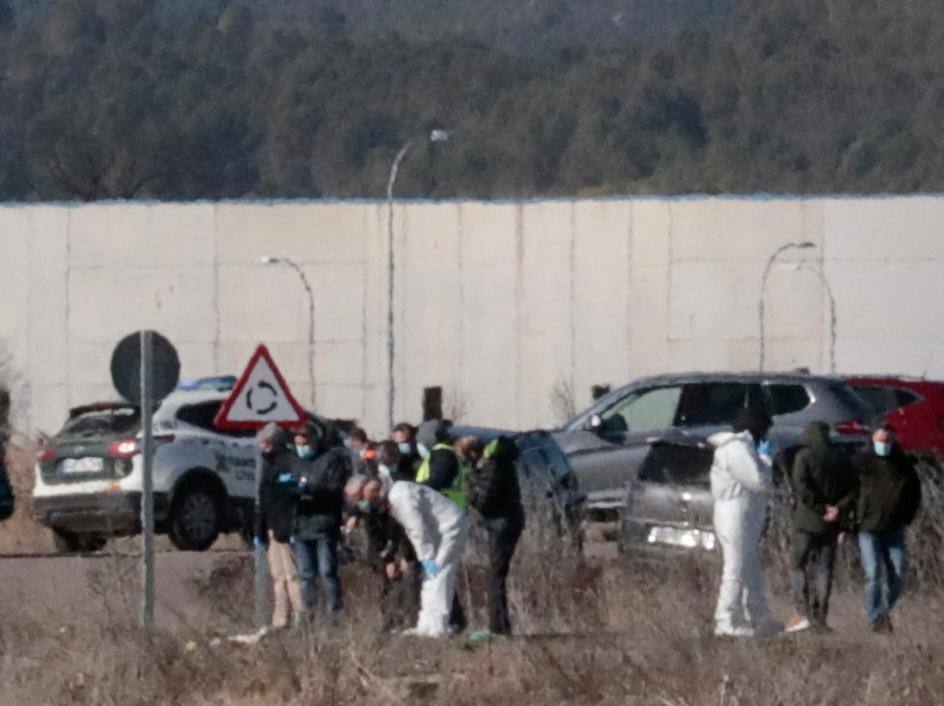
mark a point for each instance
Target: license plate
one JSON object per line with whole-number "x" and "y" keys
{"x": 83, "y": 465}
{"x": 676, "y": 537}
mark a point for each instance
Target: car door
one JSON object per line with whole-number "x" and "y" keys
{"x": 606, "y": 454}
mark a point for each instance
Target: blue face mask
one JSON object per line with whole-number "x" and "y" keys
{"x": 304, "y": 451}
{"x": 404, "y": 447}
{"x": 882, "y": 448}
{"x": 364, "y": 506}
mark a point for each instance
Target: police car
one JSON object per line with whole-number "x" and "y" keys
{"x": 89, "y": 475}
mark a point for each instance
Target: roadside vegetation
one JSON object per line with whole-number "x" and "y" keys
{"x": 170, "y": 100}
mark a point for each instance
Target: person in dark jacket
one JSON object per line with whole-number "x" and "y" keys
{"x": 404, "y": 436}
{"x": 824, "y": 489}
{"x": 391, "y": 464}
{"x": 889, "y": 497}
{"x": 440, "y": 467}
{"x": 275, "y": 519}
{"x": 321, "y": 475}
{"x": 494, "y": 492}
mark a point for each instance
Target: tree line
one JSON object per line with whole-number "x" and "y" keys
{"x": 107, "y": 99}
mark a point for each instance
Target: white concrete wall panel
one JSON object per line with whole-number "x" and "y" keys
{"x": 546, "y": 299}
{"x": 144, "y": 235}
{"x": 649, "y": 288}
{"x": 901, "y": 228}
{"x": 304, "y": 232}
{"x": 602, "y": 294}
{"x": 487, "y": 279}
{"x": 733, "y": 230}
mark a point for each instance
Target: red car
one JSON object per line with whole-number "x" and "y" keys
{"x": 915, "y": 407}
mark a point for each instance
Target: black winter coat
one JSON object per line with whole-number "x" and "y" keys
{"x": 6, "y": 490}
{"x": 321, "y": 483}
{"x": 443, "y": 469}
{"x": 822, "y": 476}
{"x": 493, "y": 487}
{"x": 889, "y": 491}
{"x": 278, "y": 495}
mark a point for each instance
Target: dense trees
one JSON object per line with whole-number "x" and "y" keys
{"x": 178, "y": 99}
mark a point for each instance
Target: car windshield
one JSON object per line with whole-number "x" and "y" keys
{"x": 108, "y": 421}
{"x": 677, "y": 464}
{"x": 856, "y": 405}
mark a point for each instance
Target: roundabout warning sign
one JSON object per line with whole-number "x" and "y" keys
{"x": 260, "y": 396}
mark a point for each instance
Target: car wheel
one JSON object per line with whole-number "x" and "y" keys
{"x": 195, "y": 519}
{"x": 75, "y": 543}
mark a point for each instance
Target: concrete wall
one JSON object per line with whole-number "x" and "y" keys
{"x": 500, "y": 303}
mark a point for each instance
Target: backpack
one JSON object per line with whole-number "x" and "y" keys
{"x": 493, "y": 486}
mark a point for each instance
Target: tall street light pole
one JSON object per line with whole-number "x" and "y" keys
{"x": 434, "y": 136}
{"x": 311, "y": 315}
{"x": 833, "y": 322}
{"x": 806, "y": 245}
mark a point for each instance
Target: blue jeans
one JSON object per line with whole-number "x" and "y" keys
{"x": 880, "y": 550}
{"x": 314, "y": 558}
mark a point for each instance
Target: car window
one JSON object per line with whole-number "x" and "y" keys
{"x": 880, "y": 398}
{"x": 711, "y": 403}
{"x": 904, "y": 397}
{"x": 672, "y": 464}
{"x": 787, "y": 399}
{"x": 647, "y": 410}
{"x": 202, "y": 414}
{"x": 104, "y": 422}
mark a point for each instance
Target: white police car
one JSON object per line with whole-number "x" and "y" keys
{"x": 89, "y": 475}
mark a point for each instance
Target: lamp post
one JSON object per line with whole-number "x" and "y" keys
{"x": 806, "y": 245}
{"x": 832, "y": 310}
{"x": 434, "y": 136}
{"x": 311, "y": 315}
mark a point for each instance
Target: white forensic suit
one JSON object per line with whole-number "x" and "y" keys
{"x": 740, "y": 480}
{"x": 436, "y": 527}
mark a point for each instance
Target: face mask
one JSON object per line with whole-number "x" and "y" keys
{"x": 364, "y": 506}
{"x": 304, "y": 451}
{"x": 404, "y": 447}
{"x": 422, "y": 451}
{"x": 882, "y": 448}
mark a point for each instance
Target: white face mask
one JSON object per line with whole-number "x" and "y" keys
{"x": 422, "y": 451}
{"x": 404, "y": 447}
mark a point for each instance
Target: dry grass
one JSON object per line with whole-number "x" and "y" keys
{"x": 591, "y": 632}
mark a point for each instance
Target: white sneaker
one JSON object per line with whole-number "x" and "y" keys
{"x": 732, "y": 631}
{"x": 798, "y": 623}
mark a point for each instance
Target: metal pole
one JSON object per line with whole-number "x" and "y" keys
{"x": 260, "y": 566}
{"x": 391, "y": 271}
{"x": 311, "y": 326}
{"x": 147, "y": 494}
{"x": 763, "y": 289}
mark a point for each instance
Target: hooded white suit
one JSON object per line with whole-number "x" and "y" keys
{"x": 436, "y": 527}
{"x": 740, "y": 480}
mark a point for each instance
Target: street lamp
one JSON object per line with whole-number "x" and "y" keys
{"x": 267, "y": 260}
{"x": 806, "y": 245}
{"x": 832, "y": 309}
{"x": 437, "y": 135}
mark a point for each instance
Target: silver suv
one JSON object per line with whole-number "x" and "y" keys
{"x": 608, "y": 443}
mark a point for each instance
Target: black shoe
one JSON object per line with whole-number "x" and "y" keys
{"x": 882, "y": 626}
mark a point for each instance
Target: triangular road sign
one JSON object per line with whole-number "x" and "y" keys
{"x": 259, "y": 397}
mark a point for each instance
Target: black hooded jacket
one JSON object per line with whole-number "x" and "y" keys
{"x": 822, "y": 476}
{"x": 493, "y": 487}
{"x": 278, "y": 494}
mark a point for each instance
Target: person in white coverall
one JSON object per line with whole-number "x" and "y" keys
{"x": 436, "y": 527}
{"x": 740, "y": 480}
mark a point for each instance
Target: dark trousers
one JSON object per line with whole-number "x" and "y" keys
{"x": 503, "y": 536}
{"x": 813, "y": 552}
{"x": 319, "y": 557}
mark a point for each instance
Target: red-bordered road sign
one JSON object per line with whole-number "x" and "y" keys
{"x": 260, "y": 396}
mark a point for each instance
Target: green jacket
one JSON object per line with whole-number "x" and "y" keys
{"x": 822, "y": 476}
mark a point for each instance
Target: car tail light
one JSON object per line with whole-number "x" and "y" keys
{"x": 124, "y": 449}
{"x": 853, "y": 427}
{"x": 46, "y": 454}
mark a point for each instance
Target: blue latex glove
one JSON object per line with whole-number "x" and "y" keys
{"x": 430, "y": 568}
{"x": 765, "y": 448}
{"x": 258, "y": 542}
{"x": 286, "y": 478}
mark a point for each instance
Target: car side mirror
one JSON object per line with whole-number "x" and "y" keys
{"x": 596, "y": 421}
